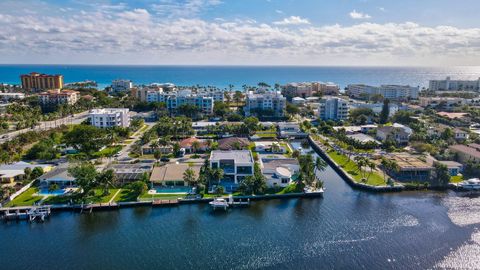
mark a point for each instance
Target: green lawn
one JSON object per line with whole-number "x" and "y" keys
{"x": 97, "y": 198}
{"x": 147, "y": 196}
{"x": 456, "y": 179}
{"x": 351, "y": 168}
{"x": 126, "y": 195}
{"x": 25, "y": 199}
{"x": 109, "y": 151}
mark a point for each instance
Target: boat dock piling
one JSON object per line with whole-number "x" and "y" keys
{"x": 30, "y": 213}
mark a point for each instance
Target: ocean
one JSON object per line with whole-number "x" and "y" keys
{"x": 222, "y": 76}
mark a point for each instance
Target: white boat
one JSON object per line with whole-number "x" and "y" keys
{"x": 470, "y": 184}
{"x": 219, "y": 203}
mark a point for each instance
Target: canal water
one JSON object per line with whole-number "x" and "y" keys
{"x": 347, "y": 229}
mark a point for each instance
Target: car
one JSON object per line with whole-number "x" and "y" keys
{"x": 165, "y": 159}
{"x": 4, "y": 136}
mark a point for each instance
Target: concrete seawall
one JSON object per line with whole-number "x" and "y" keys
{"x": 345, "y": 175}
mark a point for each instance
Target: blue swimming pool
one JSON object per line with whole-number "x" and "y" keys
{"x": 173, "y": 189}
{"x": 45, "y": 192}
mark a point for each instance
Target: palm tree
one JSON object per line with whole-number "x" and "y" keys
{"x": 386, "y": 165}
{"x": 195, "y": 146}
{"x": 227, "y": 96}
{"x": 106, "y": 179}
{"x": 190, "y": 177}
{"x": 372, "y": 167}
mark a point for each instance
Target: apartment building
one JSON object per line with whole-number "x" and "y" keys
{"x": 109, "y": 117}
{"x": 307, "y": 89}
{"x": 122, "y": 85}
{"x": 333, "y": 108}
{"x": 454, "y": 85}
{"x": 265, "y": 103}
{"x": 56, "y": 97}
{"x": 392, "y": 92}
{"x": 38, "y": 81}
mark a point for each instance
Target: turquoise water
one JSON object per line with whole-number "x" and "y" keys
{"x": 44, "y": 192}
{"x": 240, "y": 75}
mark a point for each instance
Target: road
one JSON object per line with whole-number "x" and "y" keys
{"x": 46, "y": 125}
{"x": 134, "y": 138}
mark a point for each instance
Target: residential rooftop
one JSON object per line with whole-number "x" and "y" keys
{"x": 172, "y": 172}
{"x": 239, "y": 156}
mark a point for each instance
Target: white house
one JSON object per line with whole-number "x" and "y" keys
{"x": 236, "y": 164}
{"x": 109, "y": 117}
{"x": 279, "y": 172}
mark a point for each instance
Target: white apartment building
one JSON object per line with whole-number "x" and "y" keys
{"x": 307, "y": 89}
{"x": 55, "y": 97}
{"x": 122, "y": 85}
{"x": 109, "y": 117}
{"x": 332, "y": 108}
{"x": 173, "y": 100}
{"x": 376, "y": 107}
{"x": 9, "y": 96}
{"x": 262, "y": 101}
{"x": 454, "y": 85}
{"x": 392, "y": 92}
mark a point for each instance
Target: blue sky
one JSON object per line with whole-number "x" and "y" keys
{"x": 283, "y": 32}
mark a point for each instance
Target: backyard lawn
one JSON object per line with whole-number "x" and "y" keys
{"x": 146, "y": 196}
{"x": 25, "y": 199}
{"x": 351, "y": 168}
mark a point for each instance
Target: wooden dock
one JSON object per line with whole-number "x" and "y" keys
{"x": 164, "y": 202}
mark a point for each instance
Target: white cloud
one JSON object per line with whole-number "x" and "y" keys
{"x": 359, "y": 15}
{"x": 137, "y": 36}
{"x": 279, "y": 11}
{"x": 182, "y": 8}
{"x": 292, "y": 20}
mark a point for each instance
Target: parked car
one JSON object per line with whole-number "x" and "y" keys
{"x": 165, "y": 159}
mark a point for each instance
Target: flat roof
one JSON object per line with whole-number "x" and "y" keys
{"x": 408, "y": 162}
{"x": 172, "y": 172}
{"x": 240, "y": 156}
{"x": 362, "y": 138}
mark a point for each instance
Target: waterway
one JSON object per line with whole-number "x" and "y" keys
{"x": 345, "y": 229}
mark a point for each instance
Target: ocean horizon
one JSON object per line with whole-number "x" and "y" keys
{"x": 223, "y": 75}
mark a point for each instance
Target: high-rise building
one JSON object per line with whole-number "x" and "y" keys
{"x": 333, "y": 108}
{"x": 37, "y": 81}
{"x": 454, "y": 85}
{"x": 109, "y": 117}
{"x": 392, "y": 92}
{"x": 265, "y": 103}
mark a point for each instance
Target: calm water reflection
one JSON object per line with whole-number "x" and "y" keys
{"x": 345, "y": 229}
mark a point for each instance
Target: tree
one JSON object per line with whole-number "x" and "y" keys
{"x": 251, "y": 123}
{"x": 195, "y": 146}
{"x": 441, "y": 176}
{"x": 157, "y": 155}
{"x": 227, "y": 96}
{"x": 138, "y": 187}
{"x": 28, "y": 173}
{"x": 237, "y": 97}
{"x": 220, "y": 109}
{"x": 106, "y": 179}
{"x": 385, "y": 113}
{"x": 36, "y": 172}
{"x": 52, "y": 187}
{"x": 86, "y": 139}
{"x": 190, "y": 177}
{"x": 85, "y": 175}
{"x": 292, "y": 109}
{"x": 307, "y": 175}
{"x": 254, "y": 184}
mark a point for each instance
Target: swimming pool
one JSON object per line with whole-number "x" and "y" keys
{"x": 173, "y": 189}
{"x": 45, "y": 192}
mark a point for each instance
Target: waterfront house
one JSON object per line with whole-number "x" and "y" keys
{"x": 58, "y": 176}
{"x": 236, "y": 165}
{"x": 172, "y": 174}
{"x": 454, "y": 168}
{"x": 127, "y": 173}
{"x": 410, "y": 168}
{"x": 279, "y": 172}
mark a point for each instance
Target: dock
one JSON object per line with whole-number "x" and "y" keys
{"x": 30, "y": 213}
{"x": 164, "y": 202}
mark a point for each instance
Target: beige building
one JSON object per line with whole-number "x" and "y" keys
{"x": 466, "y": 153}
{"x": 59, "y": 97}
{"x": 172, "y": 174}
{"x": 37, "y": 81}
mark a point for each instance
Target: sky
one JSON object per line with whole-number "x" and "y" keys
{"x": 241, "y": 32}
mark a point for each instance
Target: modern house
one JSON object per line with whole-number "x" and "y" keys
{"x": 109, "y": 117}
{"x": 172, "y": 174}
{"x": 236, "y": 165}
{"x": 279, "y": 172}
